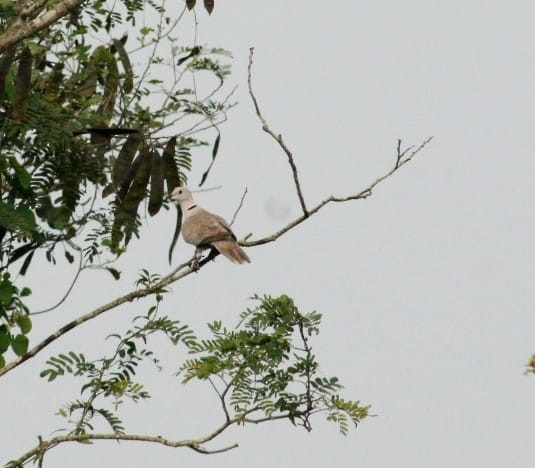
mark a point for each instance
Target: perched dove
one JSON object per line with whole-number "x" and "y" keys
{"x": 204, "y": 229}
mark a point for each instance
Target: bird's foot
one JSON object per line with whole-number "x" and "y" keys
{"x": 195, "y": 266}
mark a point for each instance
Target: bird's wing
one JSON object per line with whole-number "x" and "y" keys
{"x": 204, "y": 228}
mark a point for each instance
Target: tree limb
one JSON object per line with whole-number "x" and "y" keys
{"x": 185, "y": 269}
{"x": 26, "y": 24}
{"x": 277, "y": 138}
{"x": 39, "y": 450}
{"x": 363, "y": 194}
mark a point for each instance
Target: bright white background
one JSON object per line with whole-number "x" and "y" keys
{"x": 426, "y": 287}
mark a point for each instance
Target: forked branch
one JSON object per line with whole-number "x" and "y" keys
{"x": 277, "y": 138}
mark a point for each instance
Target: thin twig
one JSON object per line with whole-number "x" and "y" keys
{"x": 66, "y": 295}
{"x": 363, "y": 194}
{"x": 239, "y": 207}
{"x": 277, "y": 138}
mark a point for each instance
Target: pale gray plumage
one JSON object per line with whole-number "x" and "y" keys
{"x": 204, "y": 229}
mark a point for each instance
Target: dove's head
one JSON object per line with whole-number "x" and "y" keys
{"x": 180, "y": 195}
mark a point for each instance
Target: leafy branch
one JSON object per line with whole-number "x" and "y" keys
{"x": 262, "y": 370}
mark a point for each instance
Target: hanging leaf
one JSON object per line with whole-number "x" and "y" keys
{"x": 190, "y": 4}
{"x": 111, "y": 85}
{"x": 209, "y": 5}
{"x": 170, "y": 169}
{"x": 88, "y": 86}
{"x": 22, "y": 85}
{"x": 25, "y": 324}
{"x": 214, "y": 154}
{"x": 177, "y": 232}
{"x": 137, "y": 189}
{"x": 128, "y": 83}
{"x": 5, "y": 338}
{"x": 136, "y": 193}
{"x": 19, "y": 345}
{"x": 127, "y": 179}
{"x": 94, "y": 159}
{"x": 123, "y": 162}
{"x": 156, "y": 184}
{"x": 114, "y": 272}
{"x": 5, "y": 64}
{"x": 26, "y": 263}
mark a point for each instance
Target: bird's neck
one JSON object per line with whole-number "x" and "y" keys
{"x": 189, "y": 207}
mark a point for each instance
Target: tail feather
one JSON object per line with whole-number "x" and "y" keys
{"x": 231, "y": 250}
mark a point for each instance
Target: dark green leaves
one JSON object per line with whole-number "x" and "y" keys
{"x": 123, "y": 162}
{"x": 5, "y": 64}
{"x": 178, "y": 225}
{"x": 19, "y": 218}
{"x": 269, "y": 363}
{"x": 5, "y": 339}
{"x": 19, "y": 345}
{"x": 128, "y": 80}
{"x": 170, "y": 169}
{"x": 22, "y": 85}
{"x": 215, "y": 149}
{"x": 156, "y": 184}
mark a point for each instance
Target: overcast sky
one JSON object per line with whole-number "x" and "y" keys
{"x": 426, "y": 287}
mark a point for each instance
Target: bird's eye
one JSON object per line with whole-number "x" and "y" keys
{"x": 180, "y": 192}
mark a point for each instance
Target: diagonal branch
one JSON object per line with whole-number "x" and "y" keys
{"x": 239, "y": 207}
{"x": 39, "y": 450}
{"x": 363, "y": 194}
{"x": 178, "y": 273}
{"x": 185, "y": 269}
{"x": 277, "y": 138}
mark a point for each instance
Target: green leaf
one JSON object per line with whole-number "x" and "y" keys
{"x": 5, "y": 339}
{"x": 26, "y": 263}
{"x": 25, "y": 324}
{"x": 7, "y": 291}
{"x": 16, "y": 218}
{"x": 114, "y": 272}
{"x": 22, "y": 177}
{"x": 19, "y": 345}
{"x": 69, "y": 257}
{"x": 214, "y": 154}
{"x": 2, "y": 361}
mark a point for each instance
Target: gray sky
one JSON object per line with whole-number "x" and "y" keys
{"x": 426, "y": 288}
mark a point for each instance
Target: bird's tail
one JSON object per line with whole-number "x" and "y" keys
{"x": 231, "y": 250}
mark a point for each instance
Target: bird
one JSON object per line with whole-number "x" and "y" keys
{"x": 204, "y": 229}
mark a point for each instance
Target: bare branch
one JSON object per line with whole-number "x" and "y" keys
{"x": 239, "y": 207}
{"x": 277, "y": 138}
{"x": 179, "y": 272}
{"x": 365, "y": 193}
{"x": 69, "y": 290}
{"x": 39, "y": 450}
